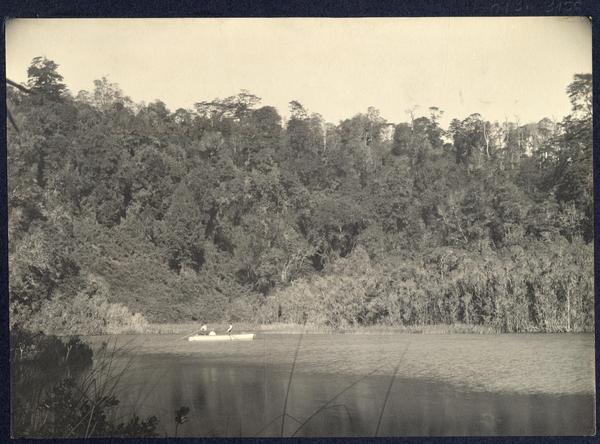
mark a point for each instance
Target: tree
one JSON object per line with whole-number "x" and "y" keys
{"x": 402, "y": 139}
{"x": 469, "y": 139}
{"x": 580, "y": 94}
{"x": 434, "y": 131}
{"x": 181, "y": 232}
{"x": 105, "y": 95}
{"x": 333, "y": 224}
{"x": 260, "y": 136}
{"x": 241, "y": 103}
{"x": 297, "y": 111}
{"x": 41, "y": 266}
{"x": 573, "y": 173}
{"x": 391, "y": 193}
{"x": 305, "y": 145}
{"x": 43, "y": 78}
{"x": 232, "y": 107}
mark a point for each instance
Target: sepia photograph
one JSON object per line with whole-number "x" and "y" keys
{"x": 300, "y": 227}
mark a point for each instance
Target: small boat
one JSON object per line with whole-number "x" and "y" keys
{"x": 240, "y": 337}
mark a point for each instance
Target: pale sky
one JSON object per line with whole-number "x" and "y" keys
{"x": 499, "y": 67}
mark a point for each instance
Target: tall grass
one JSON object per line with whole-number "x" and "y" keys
{"x": 292, "y": 328}
{"x": 389, "y": 389}
{"x": 289, "y": 385}
{"x": 52, "y": 400}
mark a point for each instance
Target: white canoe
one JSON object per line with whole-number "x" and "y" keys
{"x": 240, "y": 337}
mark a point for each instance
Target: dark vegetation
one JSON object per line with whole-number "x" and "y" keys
{"x": 227, "y": 212}
{"x": 56, "y": 393}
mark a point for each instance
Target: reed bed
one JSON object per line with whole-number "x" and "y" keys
{"x": 290, "y": 328}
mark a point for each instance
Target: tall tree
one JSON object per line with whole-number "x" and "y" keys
{"x": 43, "y": 78}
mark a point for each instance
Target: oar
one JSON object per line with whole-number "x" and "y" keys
{"x": 187, "y": 336}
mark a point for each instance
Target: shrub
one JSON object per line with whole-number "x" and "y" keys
{"x": 243, "y": 309}
{"x": 72, "y": 412}
{"x": 49, "y": 352}
{"x": 46, "y": 404}
{"x": 89, "y": 312}
{"x": 336, "y": 299}
{"x": 541, "y": 286}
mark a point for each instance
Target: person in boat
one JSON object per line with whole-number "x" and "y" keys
{"x": 229, "y": 329}
{"x": 203, "y": 329}
{"x": 212, "y": 333}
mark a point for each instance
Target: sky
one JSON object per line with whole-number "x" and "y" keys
{"x": 503, "y": 68}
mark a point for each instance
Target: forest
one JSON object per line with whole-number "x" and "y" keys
{"x": 123, "y": 214}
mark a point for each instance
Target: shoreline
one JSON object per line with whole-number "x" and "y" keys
{"x": 188, "y": 329}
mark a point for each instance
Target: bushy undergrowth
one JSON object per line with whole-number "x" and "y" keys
{"x": 56, "y": 393}
{"x": 137, "y": 277}
{"x": 545, "y": 287}
{"x": 89, "y": 312}
{"x": 47, "y": 351}
{"x": 89, "y": 315}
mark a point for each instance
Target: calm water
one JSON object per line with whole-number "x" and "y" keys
{"x": 444, "y": 384}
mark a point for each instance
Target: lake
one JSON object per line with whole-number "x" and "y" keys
{"x": 362, "y": 384}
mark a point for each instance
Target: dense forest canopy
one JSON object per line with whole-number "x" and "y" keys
{"x": 228, "y": 212}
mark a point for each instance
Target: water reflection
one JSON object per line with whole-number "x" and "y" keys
{"x": 247, "y": 400}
